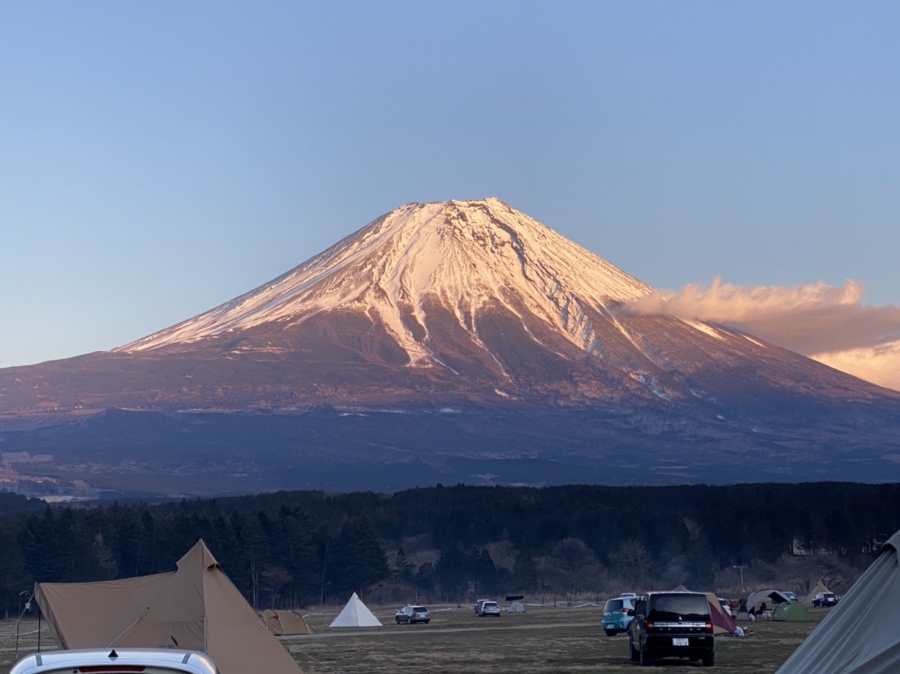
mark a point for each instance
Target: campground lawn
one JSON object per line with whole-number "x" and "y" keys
{"x": 543, "y": 640}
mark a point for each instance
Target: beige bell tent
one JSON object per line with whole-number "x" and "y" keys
{"x": 195, "y": 607}
{"x": 356, "y": 614}
{"x": 859, "y": 635}
{"x": 818, "y": 589}
{"x": 287, "y": 623}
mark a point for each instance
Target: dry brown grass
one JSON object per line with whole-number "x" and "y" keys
{"x": 543, "y": 640}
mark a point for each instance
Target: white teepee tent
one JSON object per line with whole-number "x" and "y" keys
{"x": 356, "y": 614}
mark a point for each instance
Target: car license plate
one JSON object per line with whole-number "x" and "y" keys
{"x": 680, "y": 642}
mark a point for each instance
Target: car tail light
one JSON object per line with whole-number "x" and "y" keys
{"x": 708, "y": 627}
{"x": 650, "y": 626}
{"x": 624, "y": 610}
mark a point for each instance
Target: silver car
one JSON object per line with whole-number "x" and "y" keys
{"x": 489, "y": 608}
{"x": 115, "y": 660}
{"x": 413, "y": 614}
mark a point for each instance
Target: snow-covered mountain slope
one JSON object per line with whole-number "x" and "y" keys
{"x": 439, "y": 341}
{"x": 463, "y": 300}
{"x": 466, "y": 256}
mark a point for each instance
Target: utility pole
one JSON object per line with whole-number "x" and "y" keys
{"x": 741, "y": 567}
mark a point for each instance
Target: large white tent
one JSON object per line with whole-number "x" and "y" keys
{"x": 356, "y": 614}
{"x": 859, "y": 635}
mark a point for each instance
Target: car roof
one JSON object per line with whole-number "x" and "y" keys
{"x": 177, "y": 660}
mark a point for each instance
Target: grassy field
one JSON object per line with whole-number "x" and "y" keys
{"x": 543, "y": 640}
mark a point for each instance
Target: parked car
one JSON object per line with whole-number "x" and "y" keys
{"x": 169, "y": 660}
{"x": 489, "y": 608}
{"x": 825, "y": 599}
{"x": 790, "y": 595}
{"x": 413, "y": 614}
{"x": 478, "y": 604}
{"x": 615, "y": 614}
{"x": 668, "y": 624}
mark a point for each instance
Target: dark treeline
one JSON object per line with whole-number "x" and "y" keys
{"x": 452, "y": 543}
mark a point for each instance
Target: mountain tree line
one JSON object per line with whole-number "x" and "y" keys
{"x": 455, "y": 543}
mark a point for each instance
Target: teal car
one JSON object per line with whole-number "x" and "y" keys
{"x": 615, "y": 614}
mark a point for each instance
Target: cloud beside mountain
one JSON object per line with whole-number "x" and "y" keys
{"x": 827, "y": 323}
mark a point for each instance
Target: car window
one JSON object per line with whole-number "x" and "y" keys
{"x": 678, "y": 607}
{"x": 613, "y": 606}
{"x": 420, "y": 609}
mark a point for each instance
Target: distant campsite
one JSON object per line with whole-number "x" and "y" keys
{"x": 309, "y": 564}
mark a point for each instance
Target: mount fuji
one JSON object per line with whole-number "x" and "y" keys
{"x": 450, "y": 341}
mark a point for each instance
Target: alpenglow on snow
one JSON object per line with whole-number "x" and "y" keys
{"x": 464, "y": 254}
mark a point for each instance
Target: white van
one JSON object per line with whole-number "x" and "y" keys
{"x": 117, "y": 661}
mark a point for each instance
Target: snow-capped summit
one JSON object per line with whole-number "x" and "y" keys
{"x": 467, "y": 256}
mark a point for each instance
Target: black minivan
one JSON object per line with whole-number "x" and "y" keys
{"x": 668, "y": 624}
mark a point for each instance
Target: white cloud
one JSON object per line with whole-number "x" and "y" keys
{"x": 879, "y": 365}
{"x": 827, "y": 323}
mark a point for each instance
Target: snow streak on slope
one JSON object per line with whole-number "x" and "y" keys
{"x": 462, "y": 255}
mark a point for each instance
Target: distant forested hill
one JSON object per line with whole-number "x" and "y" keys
{"x": 452, "y": 543}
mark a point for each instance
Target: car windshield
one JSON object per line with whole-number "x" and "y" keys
{"x": 614, "y": 606}
{"x": 678, "y": 607}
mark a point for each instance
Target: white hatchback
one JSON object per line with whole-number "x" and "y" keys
{"x": 117, "y": 661}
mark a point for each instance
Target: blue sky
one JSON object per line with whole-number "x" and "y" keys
{"x": 157, "y": 159}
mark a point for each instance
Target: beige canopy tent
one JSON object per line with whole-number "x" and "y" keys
{"x": 195, "y": 607}
{"x": 285, "y": 622}
{"x": 859, "y": 635}
{"x": 769, "y": 597}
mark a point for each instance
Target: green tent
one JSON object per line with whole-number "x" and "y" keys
{"x": 792, "y": 611}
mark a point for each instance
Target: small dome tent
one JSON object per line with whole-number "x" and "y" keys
{"x": 287, "y": 623}
{"x": 792, "y": 612}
